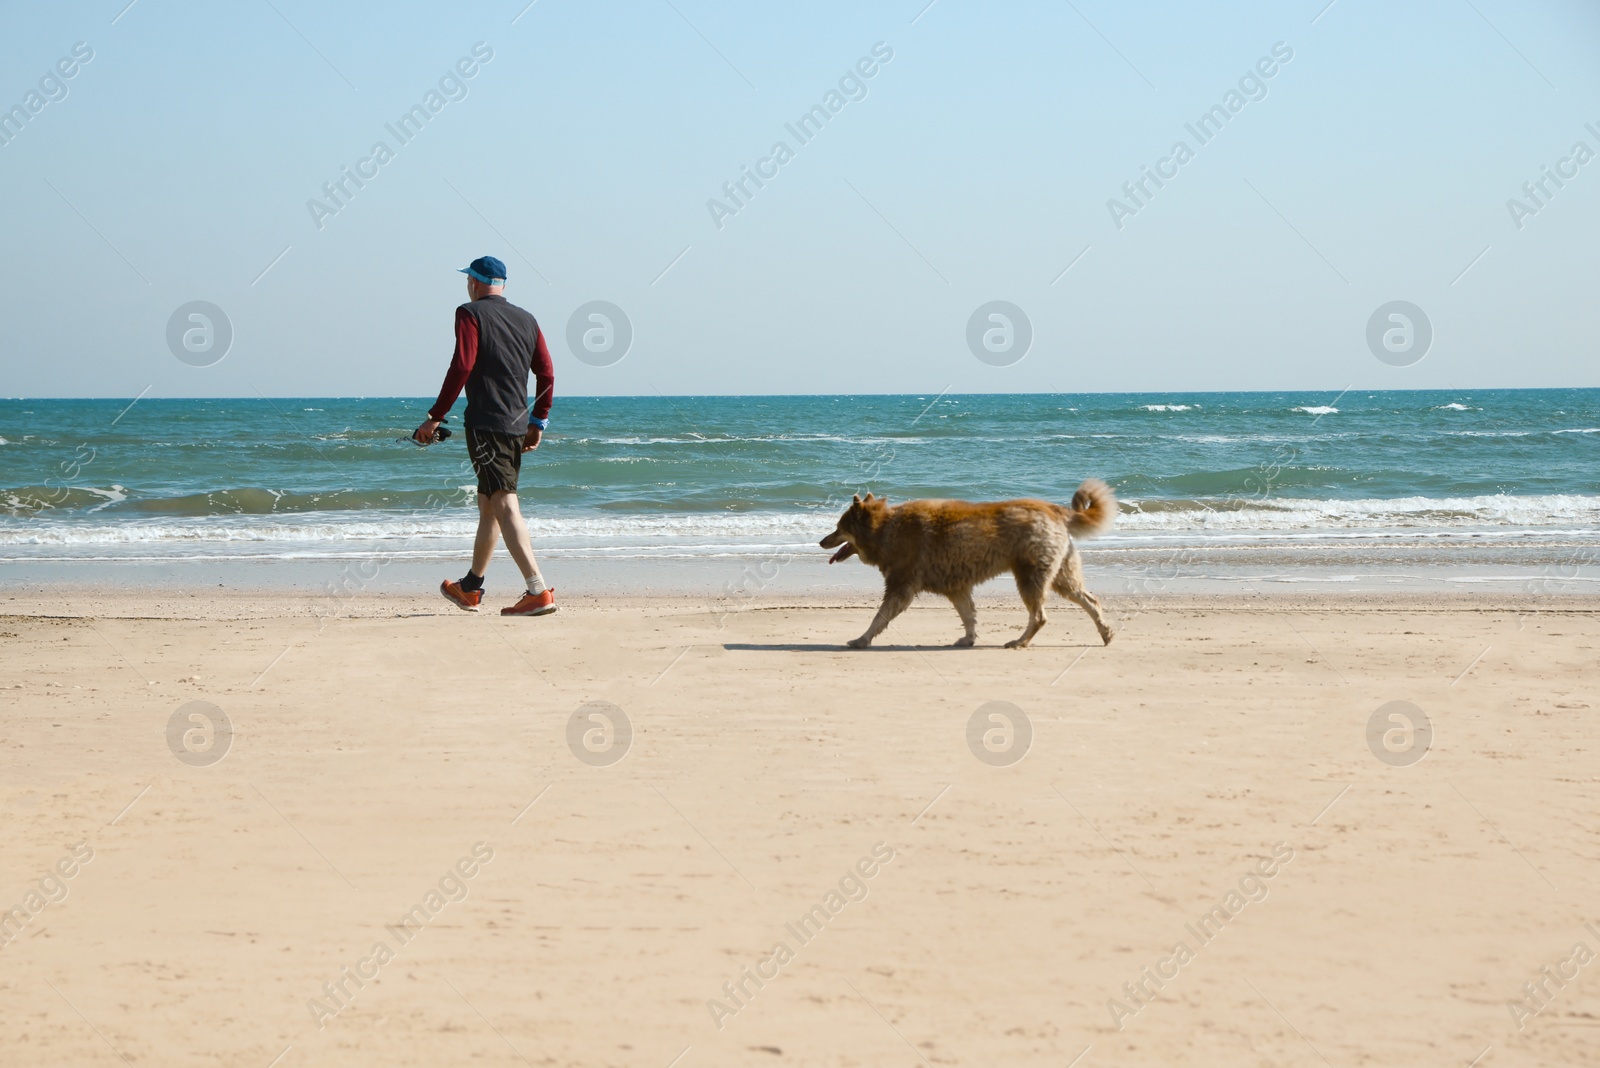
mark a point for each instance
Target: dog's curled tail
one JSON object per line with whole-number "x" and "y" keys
{"x": 1094, "y": 509}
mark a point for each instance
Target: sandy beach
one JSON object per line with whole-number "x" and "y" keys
{"x": 670, "y": 317}
{"x": 405, "y": 853}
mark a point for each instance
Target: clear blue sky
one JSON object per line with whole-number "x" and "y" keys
{"x": 1377, "y": 167}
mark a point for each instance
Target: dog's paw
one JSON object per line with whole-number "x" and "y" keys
{"x": 964, "y": 642}
{"x": 1106, "y": 636}
{"x": 859, "y": 643}
{"x": 1016, "y": 643}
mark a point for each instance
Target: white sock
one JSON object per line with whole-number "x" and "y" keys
{"x": 536, "y": 585}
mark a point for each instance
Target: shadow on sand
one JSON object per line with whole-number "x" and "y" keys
{"x": 840, "y": 647}
{"x": 825, "y": 647}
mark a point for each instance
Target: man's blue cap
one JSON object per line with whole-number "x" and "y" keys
{"x": 488, "y": 270}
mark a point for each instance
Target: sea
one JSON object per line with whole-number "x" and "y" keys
{"x": 1479, "y": 489}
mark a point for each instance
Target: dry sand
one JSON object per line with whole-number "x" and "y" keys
{"x": 373, "y": 752}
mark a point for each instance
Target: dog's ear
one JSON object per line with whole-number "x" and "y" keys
{"x": 868, "y": 497}
{"x": 856, "y": 499}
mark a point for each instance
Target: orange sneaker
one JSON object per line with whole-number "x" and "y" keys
{"x": 533, "y": 604}
{"x": 467, "y": 602}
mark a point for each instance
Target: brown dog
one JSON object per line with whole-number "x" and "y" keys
{"x": 948, "y": 547}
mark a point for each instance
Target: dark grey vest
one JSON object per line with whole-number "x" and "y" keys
{"x": 497, "y": 388}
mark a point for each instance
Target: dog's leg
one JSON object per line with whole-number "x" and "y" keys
{"x": 1069, "y": 584}
{"x": 1032, "y": 583}
{"x": 895, "y": 601}
{"x": 969, "y": 618}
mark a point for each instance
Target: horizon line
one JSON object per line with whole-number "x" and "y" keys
{"x": 821, "y": 396}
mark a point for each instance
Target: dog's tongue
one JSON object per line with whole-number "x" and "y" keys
{"x": 846, "y": 551}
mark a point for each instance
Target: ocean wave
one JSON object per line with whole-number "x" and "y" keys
{"x": 1577, "y": 515}
{"x": 243, "y": 500}
{"x": 110, "y": 496}
{"x": 1489, "y": 510}
{"x": 1167, "y": 407}
{"x": 331, "y": 527}
{"x": 735, "y": 439}
{"x": 1517, "y": 433}
{"x": 1454, "y": 407}
{"x": 1318, "y": 409}
{"x": 32, "y": 500}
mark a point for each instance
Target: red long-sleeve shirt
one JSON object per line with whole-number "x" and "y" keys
{"x": 466, "y": 356}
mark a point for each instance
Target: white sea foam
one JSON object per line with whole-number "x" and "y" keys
{"x": 1318, "y": 409}
{"x": 112, "y": 496}
{"x": 1490, "y": 433}
{"x": 1167, "y": 407}
{"x": 591, "y": 528}
{"x": 1497, "y": 517}
{"x": 1410, "y": 513}
{"x": 744, "y": 439}
{"x": 1454, "y": 407}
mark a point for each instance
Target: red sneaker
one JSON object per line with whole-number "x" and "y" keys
{"x": 467, "y": 602}
{"x": 533, "y": 604}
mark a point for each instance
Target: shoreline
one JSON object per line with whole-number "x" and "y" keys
{"x": 806, "y": 573}
{"x": 179, "y": 603}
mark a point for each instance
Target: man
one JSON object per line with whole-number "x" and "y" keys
{"x": 497, "y": 345}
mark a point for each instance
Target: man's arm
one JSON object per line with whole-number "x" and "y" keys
{"x": 544, "y": 386}
{"x": 455, "y": 379}
{"x": 544, "y": 383}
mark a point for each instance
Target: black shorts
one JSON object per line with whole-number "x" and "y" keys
{"x": 496, "y": 459}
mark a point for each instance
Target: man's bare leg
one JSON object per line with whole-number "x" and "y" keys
{"x": 468, "y": 593}
{"x": 506, "y": 514}
{"x": 488, "y": 534}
